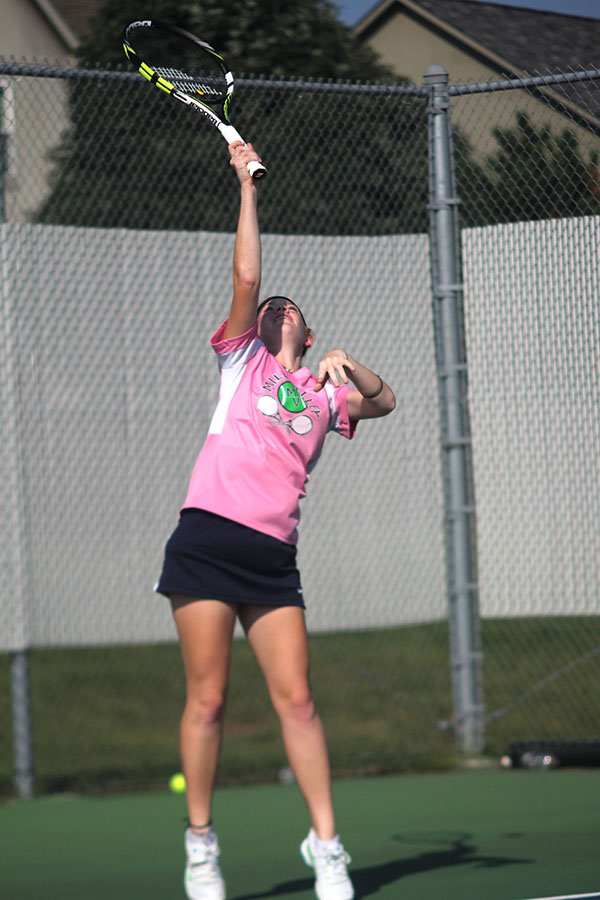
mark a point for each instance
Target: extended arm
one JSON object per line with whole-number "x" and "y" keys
{"x": 247, "y": 251}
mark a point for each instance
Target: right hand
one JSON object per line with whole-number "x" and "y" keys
{"x": 241, "y": 154}
{"x": 333, "y": 366}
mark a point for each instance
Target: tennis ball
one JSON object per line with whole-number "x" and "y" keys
{"x": 177, "y": 783}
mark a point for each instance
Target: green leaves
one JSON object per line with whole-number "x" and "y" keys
{"x": 534, "y": 174}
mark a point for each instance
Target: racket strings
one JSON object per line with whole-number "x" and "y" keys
{"x": 215, "y": 87}
{"x": 182, "y": 62}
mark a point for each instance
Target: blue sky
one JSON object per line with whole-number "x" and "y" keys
{"x": 353, "y": 10}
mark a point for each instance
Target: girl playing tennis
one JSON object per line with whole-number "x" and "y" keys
{"x": 233, "y": 553}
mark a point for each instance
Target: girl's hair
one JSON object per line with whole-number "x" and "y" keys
{"x": 281, "y": 297}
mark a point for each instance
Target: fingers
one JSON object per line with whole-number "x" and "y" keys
{"x": 234, "y": 146}
{"x": 337, "y": 376}
{"x": 335, "y": 366}
{"x": 240, "y": 155}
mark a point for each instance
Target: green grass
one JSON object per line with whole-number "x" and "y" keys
{"x": 108, "y": 718}
{"x": 543, "y": 674}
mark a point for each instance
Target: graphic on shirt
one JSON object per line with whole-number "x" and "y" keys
{"x": 290, "y": 400}
{"x": 289, "y": 397}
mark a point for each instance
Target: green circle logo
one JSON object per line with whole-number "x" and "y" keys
{"x": 289, "y": 397}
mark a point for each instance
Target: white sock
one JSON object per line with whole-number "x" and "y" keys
{"x": 327, "y": 845}
{"x": 194, "y": 838}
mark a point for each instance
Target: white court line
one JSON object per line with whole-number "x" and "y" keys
{"x": 570, "y": 897}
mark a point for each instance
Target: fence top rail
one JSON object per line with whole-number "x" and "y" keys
{"x": 265, "y": 83}
{"x": 509, "y": 84}
{"x": 38, "y": 70}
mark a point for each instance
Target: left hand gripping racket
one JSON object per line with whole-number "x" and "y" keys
{"x": 189, "y": 70}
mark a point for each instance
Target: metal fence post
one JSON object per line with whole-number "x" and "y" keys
{"x": 455, "y": 431}
{"x": 3, "y": 159}
{"x": 19, "y": 667}
{"x": 22, "y": 729}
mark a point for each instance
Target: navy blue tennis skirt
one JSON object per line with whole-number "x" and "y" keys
{"x": 210, "y": 557}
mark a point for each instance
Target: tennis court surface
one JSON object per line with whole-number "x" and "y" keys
{"x": 483, "y": 835}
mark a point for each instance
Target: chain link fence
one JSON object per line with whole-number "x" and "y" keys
{"x": 530, "y": 204}
{"x": 119, "y": 209}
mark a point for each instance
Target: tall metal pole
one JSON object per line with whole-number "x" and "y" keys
{"x": 22, "y": 728}
{"x": 15, "y": 579}
{"x": 3, "y": 155}
{"x": 454, "y": 414}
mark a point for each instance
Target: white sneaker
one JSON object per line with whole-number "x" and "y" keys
{"x": 203, "y": 879}
{"x": 332, "y": 880}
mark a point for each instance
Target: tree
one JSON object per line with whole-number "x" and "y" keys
{"x": 532, "y": 174}
{"x": 263, "y": 37}
{"x": 339, "y": 162}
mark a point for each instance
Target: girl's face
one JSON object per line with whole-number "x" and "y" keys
{"x": 278, "y": 320}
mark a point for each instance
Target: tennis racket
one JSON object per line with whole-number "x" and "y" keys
{"x": 189, "y": 70}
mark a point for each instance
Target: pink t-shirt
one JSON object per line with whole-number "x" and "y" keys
{"x": 264, "y": 439}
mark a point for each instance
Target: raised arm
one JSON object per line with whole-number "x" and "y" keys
{"x": 247, "y": 252}
{"x": 372, "y": 398}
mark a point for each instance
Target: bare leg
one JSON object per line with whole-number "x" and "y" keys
{"x": 279, "y": 641}
{"x": 205, "y": 629}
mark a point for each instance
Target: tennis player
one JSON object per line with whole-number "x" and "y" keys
{"x": 233, "y": 553}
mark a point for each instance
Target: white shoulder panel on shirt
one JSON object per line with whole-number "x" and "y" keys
{"x": 232, "y": 366}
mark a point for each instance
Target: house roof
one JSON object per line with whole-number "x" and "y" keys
{"x": 528, "y": 39}
{"x": 532, "y": 39}
{"x": 512, "y": 40}
{"x": 69, "y": 18}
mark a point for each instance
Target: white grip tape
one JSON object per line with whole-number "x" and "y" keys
{"x": 255, "y": 169}
{"x": 230, "y": 133}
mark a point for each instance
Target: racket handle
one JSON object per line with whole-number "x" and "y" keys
{"x": 256, "y": 170}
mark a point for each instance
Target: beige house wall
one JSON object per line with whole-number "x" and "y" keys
{"x": 26, "y": 32}
{"x": 34, "y": 109}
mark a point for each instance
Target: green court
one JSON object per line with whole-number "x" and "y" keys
{"x": 481, "y": 835}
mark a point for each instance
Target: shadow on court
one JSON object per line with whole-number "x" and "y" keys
{"x": 368, "y": 880}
